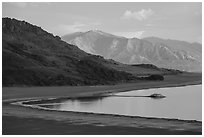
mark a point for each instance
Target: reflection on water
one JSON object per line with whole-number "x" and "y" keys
{"x": 180, "y": 103}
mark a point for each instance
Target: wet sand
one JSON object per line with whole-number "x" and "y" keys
{"x": 89, "y": 123}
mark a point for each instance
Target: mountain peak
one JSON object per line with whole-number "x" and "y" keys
{"x": 96, "y": 31}
{"x": 163, "y": 53}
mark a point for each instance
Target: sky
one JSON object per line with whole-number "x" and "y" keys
{"x": 180, "y": 20}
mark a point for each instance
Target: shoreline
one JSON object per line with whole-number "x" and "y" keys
{"x": 95, "y": 119}
{"x": 34, "y": 103}
{"x": 104, "y": 89}
{"x": 80, "y": 118}
{"x": 111, "y": 115}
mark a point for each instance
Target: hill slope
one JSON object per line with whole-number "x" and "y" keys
{"x": 31, "y": 56}
{"x": 139, "y": 51}
{"x": 34, "y": 57}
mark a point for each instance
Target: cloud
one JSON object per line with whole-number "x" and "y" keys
{"x": 138, "y": 15}
{"x": 135, "y": 34}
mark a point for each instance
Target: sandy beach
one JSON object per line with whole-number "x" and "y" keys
{"x": 35, "y": 121}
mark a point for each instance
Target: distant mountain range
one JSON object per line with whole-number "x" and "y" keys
{"x": 172, "y": 54}
{"x": 34, "y": 57}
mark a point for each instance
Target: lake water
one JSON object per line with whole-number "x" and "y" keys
{"x": 180, "y": 103}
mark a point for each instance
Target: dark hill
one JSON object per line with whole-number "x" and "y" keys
{"x": 34, "y": 57}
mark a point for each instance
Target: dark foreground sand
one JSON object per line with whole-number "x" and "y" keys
{"x": 23, "y": 120}
{"x": 37, "y": 126}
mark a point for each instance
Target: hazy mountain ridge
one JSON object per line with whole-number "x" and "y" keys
{"x": 162, "y": 53}
{"x": 177, "y": 44}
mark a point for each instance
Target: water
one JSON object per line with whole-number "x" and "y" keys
{"x": 180, "y": 103}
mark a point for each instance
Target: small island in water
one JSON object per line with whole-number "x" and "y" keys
{"x": 156, "y": 95}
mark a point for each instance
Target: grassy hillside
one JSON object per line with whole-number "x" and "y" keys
{"x": 34, "y": 57}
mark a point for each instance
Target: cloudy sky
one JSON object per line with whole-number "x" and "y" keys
{"x": 181, "y": 21}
